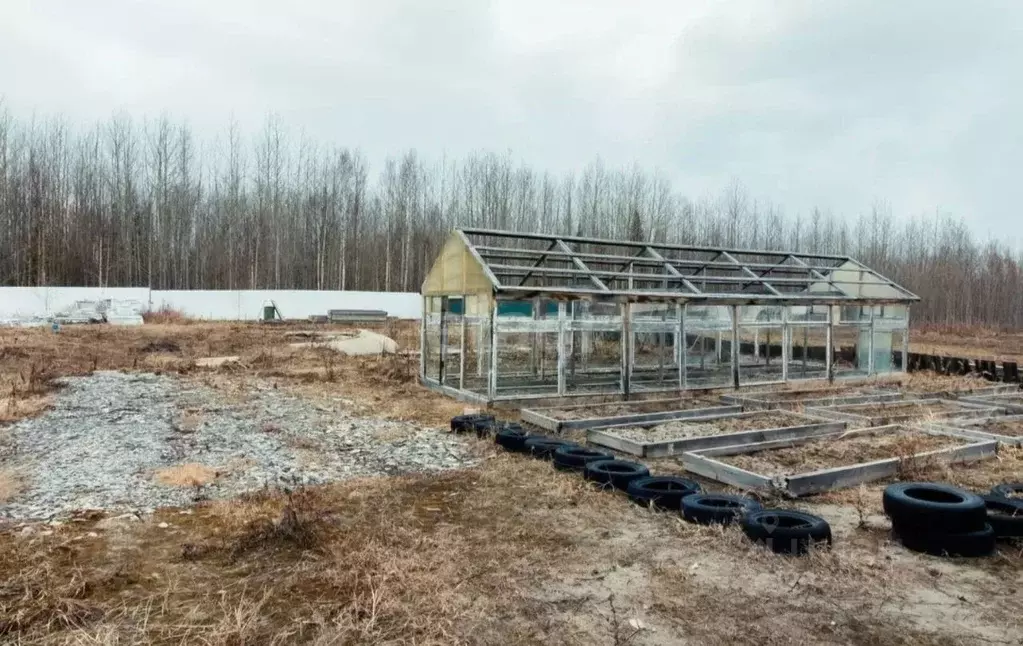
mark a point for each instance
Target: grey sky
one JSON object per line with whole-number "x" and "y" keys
{"x": 826, "y": 103}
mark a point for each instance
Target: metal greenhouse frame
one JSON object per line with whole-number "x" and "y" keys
{"x": 515, "y": 316}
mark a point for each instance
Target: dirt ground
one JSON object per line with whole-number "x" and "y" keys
{"x": 510, "y": 552}
{"x": 970, "y": 342}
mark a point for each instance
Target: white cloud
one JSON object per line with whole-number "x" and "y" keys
{"x": 833, "y": 104}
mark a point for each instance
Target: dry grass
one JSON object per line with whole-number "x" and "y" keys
{"x": 14, "y": 408}
{"x": 512, "y": 553}
{"x": 186, "y": 475}
{"x": 166, "y": 316}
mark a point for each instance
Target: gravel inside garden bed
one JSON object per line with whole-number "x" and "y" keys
{"x": 683, "y": 429}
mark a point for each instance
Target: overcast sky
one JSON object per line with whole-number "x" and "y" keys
{"x": 822, "y": 102}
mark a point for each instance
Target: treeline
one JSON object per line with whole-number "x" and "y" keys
{"x": 147, "y": 203}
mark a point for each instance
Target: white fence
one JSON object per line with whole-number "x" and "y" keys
{"x": 217, "y": 305}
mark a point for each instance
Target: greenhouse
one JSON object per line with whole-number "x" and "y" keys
{"x": 514, "y": 316}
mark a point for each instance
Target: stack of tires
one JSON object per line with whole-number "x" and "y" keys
{"x": 780, "y": 530}
{"x": 943, "y": 520}
{"x": 1005, "y": 511}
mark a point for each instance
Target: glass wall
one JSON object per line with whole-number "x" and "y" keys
{"x": 549, "y": 348}
{"x": 708, "y": 342}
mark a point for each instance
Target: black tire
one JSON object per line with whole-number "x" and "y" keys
{"x": 1005, "y": 516}
{"x": 485, "y": 427}
{"x": 980, "y": 542}
{"x": 935, "y": 508}
{"x": 663, "y": 492}
{"x": 710, "y": 508}
{"x": 543, "y": 447}
{"x": 575, "y": 458}
{"x": 616, "y": 474}
{"x": 466, "y": 423}
{"x": 512, "y": 438}
{"x": 784, "y": 531}
{"x": 1009, "y": 490}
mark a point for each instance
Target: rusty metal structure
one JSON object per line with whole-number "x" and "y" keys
{"x": 521, "y": 316}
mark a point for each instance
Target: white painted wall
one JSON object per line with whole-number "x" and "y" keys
{"x": 242, "y": 305}
{"x": 237, "y": 305}
{"x": 26, "y": 302}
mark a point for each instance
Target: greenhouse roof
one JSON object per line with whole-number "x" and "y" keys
{"x": 527, "y": 265}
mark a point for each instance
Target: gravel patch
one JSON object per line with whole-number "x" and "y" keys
{"x": 113, "y": 440}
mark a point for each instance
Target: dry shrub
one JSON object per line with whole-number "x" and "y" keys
{"x": 165, "y": 315}
{"x": 163, "y": 345}
{"x": 187, "y": 475}
{"x": 14, "y": 408}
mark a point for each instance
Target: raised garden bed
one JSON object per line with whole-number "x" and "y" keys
{"x": 1011, "y": 402}
{"x": 1005, "y": 429}
{"x": 824, "y": 462}
{"x": 922, "y": 410}
{"x": 960, "y": 393}
{"x": 670, "y": 438}
{"x": 583, "y": 416}
{"x": 793, "y": 399}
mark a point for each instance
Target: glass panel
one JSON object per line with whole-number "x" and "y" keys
{"x": 654, "y": 364}
{"x": 808, "y": 352}
{"x": 594, "y": 347}
{"x": 760, "y": 354}
{"x": 708, "y": 346}
{"x": 850, "y": 350}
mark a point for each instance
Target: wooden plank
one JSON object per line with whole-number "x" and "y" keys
{"x": 787, "y": 434}
{"x": 758, "y": 402}
{"x": 538, "y": 419}
{"x": 618, "y": 443}
{"x": 839, "y": 477}
{"x": 826, "y": 479}
{"x": 968, "y": 429}
{"x": 998, "y": 401}
{"x": 726, "y": 473}
{"x": 460, "y": 395}
{"x": 640, "y": 419}
{"x": 682, "y": 445}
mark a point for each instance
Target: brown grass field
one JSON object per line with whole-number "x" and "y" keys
{"x": 509, "y": 552}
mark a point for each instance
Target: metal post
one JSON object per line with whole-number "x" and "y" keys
{"x": 756, "y": 346}
{"x": 561, "y": 347}
{"x": 735, "y": 346}
{"x": 492, "y": 383}
{"x": 479, "y": 346}
{"x": 443, "y": 338}
{"x": 424, "y": 321}
{"x": 829, "y": 352}
{"x": 905, "y": 344}
{"x": 626, "y": 370}
{"x": 806, "y": 343}
{"x": 534, "y": 364}
{"x": 870, "y": 345}
{"x": 786, "y": 349}
{"x": 461, "y": 351}
{"x": 681, "y": 346}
